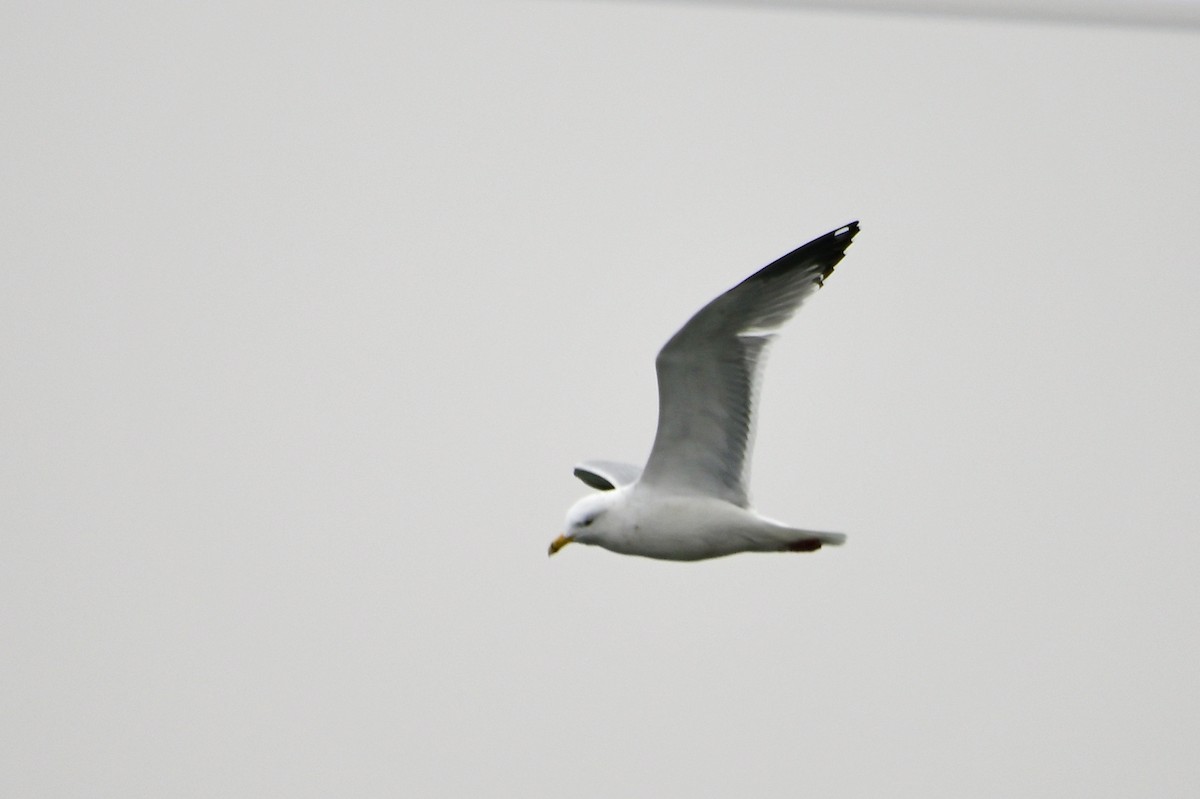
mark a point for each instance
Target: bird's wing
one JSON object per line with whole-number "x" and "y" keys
{"x": 607, "y": 475}
{"x": 708, "y": 373}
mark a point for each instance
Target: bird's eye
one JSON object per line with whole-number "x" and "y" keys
{"x": 587, "y": 521}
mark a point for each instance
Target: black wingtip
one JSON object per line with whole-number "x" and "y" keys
{"x": 839, "y": 240}
{"x": 835, "y": 239}
{"x": 594, "y": 480}
{"x": 827, "y": 251}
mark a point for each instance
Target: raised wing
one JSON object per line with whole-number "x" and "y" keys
{"x": 708, "y": 373}
{"x": 607, "y": 475}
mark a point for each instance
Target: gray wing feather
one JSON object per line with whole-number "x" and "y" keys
{"x": 708, "y": 373}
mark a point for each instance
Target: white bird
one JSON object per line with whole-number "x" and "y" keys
{"x": 691, "y": 500}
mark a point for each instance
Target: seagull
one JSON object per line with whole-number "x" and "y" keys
{"x": 690, "y": 502}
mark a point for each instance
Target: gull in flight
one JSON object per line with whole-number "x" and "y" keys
{"x": 690, "y": 502}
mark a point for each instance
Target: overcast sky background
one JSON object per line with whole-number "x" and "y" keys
{"x": 307, "y": 314}
{"x": 1168, "y": 13}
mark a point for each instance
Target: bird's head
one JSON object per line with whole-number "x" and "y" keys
{"x": 588, "y": 521}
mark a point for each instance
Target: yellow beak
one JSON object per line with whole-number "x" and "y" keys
{"x": 559, "y": 543}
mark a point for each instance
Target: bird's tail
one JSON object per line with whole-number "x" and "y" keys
{"x": 812, "y": 540}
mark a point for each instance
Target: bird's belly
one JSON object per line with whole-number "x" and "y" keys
{"x": 688, "y": 529}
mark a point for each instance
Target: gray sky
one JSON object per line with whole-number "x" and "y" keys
{"x": 1168, "y": 13}
{"x": 308, "y": 314}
